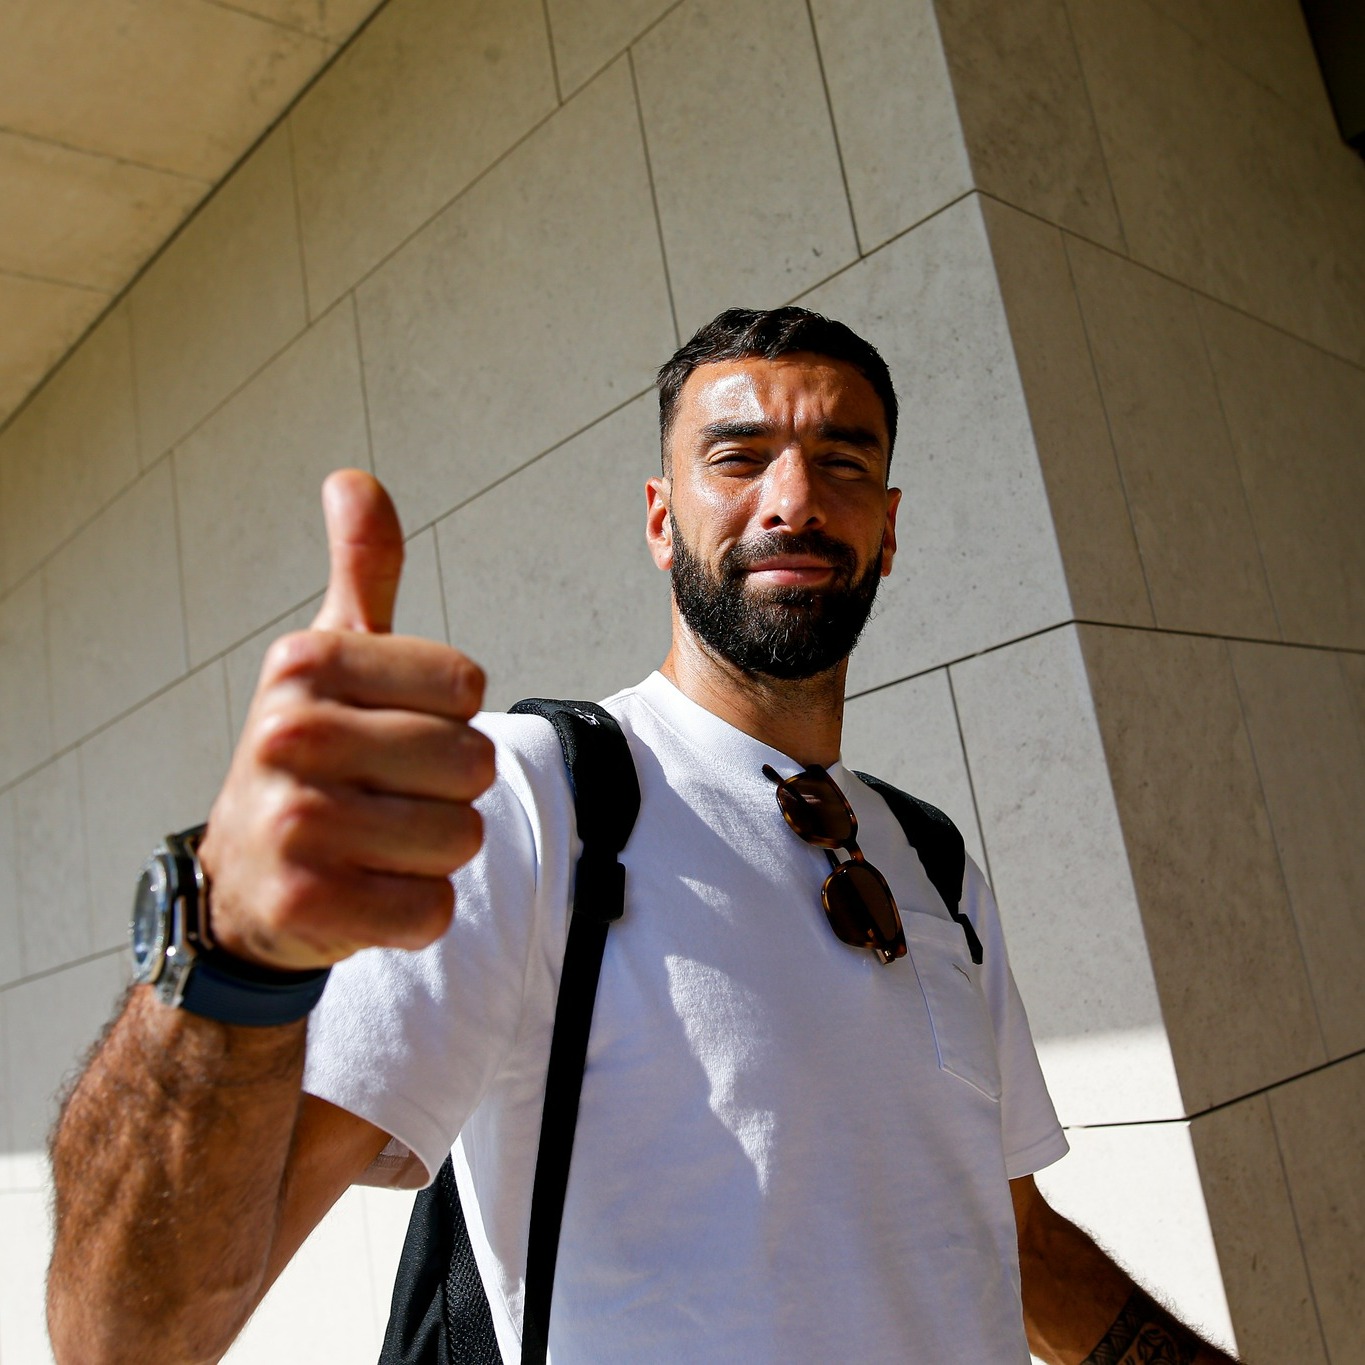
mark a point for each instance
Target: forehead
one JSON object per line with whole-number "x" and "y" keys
{"x": 791, "y": 393}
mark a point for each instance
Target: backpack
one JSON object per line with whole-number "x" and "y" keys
{"x": 439, "y": 1314}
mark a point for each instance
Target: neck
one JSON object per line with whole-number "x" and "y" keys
{"x": 802, "y": 718}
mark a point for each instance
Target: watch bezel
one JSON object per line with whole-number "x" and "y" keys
{"x": 158, "y": 874}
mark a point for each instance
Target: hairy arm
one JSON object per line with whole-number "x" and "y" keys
{"x": 188, "y": 1169}
{"x": 1082, "y": 1309}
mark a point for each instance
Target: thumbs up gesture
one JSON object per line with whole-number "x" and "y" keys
{"x": 348, "y": 802}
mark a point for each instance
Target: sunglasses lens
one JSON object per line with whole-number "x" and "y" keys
{"x": 861, "y": 909}
{"x": 815, "y": 808}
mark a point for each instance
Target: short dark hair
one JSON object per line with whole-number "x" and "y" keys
{"x": 768, "y": 333}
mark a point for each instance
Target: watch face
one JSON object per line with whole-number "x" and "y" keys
{"x": 149, "y": 928}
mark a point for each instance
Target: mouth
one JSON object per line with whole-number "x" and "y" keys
{"x": 791, "y": 571}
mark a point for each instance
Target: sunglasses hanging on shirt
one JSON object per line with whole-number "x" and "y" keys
{"x": 857, "y": 899}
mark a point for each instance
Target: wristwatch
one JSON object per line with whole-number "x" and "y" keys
{"x": 173, "y": 950}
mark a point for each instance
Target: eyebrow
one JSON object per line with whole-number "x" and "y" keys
{"x": 861, "y": 437}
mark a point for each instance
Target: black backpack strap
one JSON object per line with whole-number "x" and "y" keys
{"x": 606, "y": 796}
{"x": 939, "y": 844}
{"x": 439, "y": 1313}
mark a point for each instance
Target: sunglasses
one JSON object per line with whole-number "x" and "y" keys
{"x": 857, "y": 899}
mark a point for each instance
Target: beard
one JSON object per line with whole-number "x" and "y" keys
{"x": 784, "y": 632}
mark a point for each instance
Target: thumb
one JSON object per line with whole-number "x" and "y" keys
{"x": 365, "y": 542}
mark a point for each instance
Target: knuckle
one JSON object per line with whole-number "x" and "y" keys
{"x": 467, "y": 680}
{"x": 289, "y": 737}
{"x": 301, "y": 656}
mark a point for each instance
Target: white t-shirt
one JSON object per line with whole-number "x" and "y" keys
{"x": 785, "y": 1151}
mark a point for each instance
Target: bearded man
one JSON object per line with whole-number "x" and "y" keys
{"x": 791, "y": 1147}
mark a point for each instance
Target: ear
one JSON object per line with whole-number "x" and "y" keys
{"x": 658, "y": 527}
{"x": 893, "y": 502}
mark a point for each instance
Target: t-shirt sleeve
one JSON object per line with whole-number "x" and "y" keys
{"x": 1033, "y": 1138}
{"x": 411, "y": 1041}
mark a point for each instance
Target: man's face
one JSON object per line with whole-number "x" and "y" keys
{"x": 775, "y": 518}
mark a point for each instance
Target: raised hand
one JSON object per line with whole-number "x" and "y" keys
{"x": 348, "y": 801}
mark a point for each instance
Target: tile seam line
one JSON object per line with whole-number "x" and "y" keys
{"x": 653, "y": 194}
{"x": 221, "y": 654}
{"x": 31, "y": 278}
{"x": 834, "y": 128}
{"x": 1277, "y": 844}
{"x": 1094, "y": 123}
{"x": 1088, "y": 332}
{"x": 1298, "y": 111}
{"x": 1197, "y": 290}
{"x": 372, "y": 270}
{"x": 62, "y": 967}
{"x": 1096, "y": 624}
{"x": 276, "y": 23}
{"x": 550, "y": 47}
{"x": 626, "y": 47}
{"x": 1233, "y": 445}
{"x": 971, "y": 781}
{"x": 1268, "y": 1089}
{"x": 1298, "y": 1227}
{"x": 43, "y": 140}
{"x": 213, "y": 190}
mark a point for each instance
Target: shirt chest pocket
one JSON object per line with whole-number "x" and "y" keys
{"x": 961, "y": 1022}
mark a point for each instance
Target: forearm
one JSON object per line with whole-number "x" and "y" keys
{"x": 168, "y": 1163}
{"x": 1082, "y": 1309}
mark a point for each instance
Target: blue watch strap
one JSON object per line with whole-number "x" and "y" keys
{"x": 233, "y": 992}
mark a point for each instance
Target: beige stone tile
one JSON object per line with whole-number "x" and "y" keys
{"x": 1234, "y": 991}
{"x": 11, "y": 960}
{"x": 132, "y": 794}
{"x": 115, "y": 620}
{"x": 1026, "y": 114}
{"x": 242, "y": 666}
{"x": 331, "y": 1267}
{"x": 1136, "y": 1188}
{"x": 1084, "y": 485}
{"x": 50, "y": 1024}
{"x": 25, "y": 724}
{"x": 24, "y": 1252}
{"x": 429, "y": 97}
{"x": 1059, "y": 868}
{"x": 1188, "y": 506}
{"x": 977, "y": 561}
{"x": 221, "y": 300}
{"x": 751, "y": 198}
{"x": 73, "y": 448}
{"x": 334, "y": 20}
{"x": 1311, "y": 763}
{"x": 54, "y": 896}
{"x": 420, "y": 609}
{"x": 531, "y": 306}
{"x": 83, "y": 219}
{"x": 1269, "y": 1297}
{"x": 908, "y": 735}
{"x": 1296, "y": 418}
{"x": 1353, "y": 673}
{"x": 102, "y": 78}
{"x": 589, "y": 33}
{"x": 1219, "y": 183}
{"x": 892, "y": 100}
{"x": 1320, "y": 1123}
{"x": 42, "y": 322}
{"x": 1266, "y": 39}
{"x": 576, "y": 609}
{"x": 247, "y": 486}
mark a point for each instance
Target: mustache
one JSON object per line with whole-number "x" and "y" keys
{"x": 739, "y": 559}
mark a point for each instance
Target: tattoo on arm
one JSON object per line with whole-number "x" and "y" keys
{"x": 1144, "y": 1333}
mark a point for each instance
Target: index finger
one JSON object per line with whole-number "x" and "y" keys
{"x": 400, "y": 672}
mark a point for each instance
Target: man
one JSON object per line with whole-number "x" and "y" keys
{"x": 790, "y": 1147}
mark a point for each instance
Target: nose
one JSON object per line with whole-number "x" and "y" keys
{"x": 791, "y": 497}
